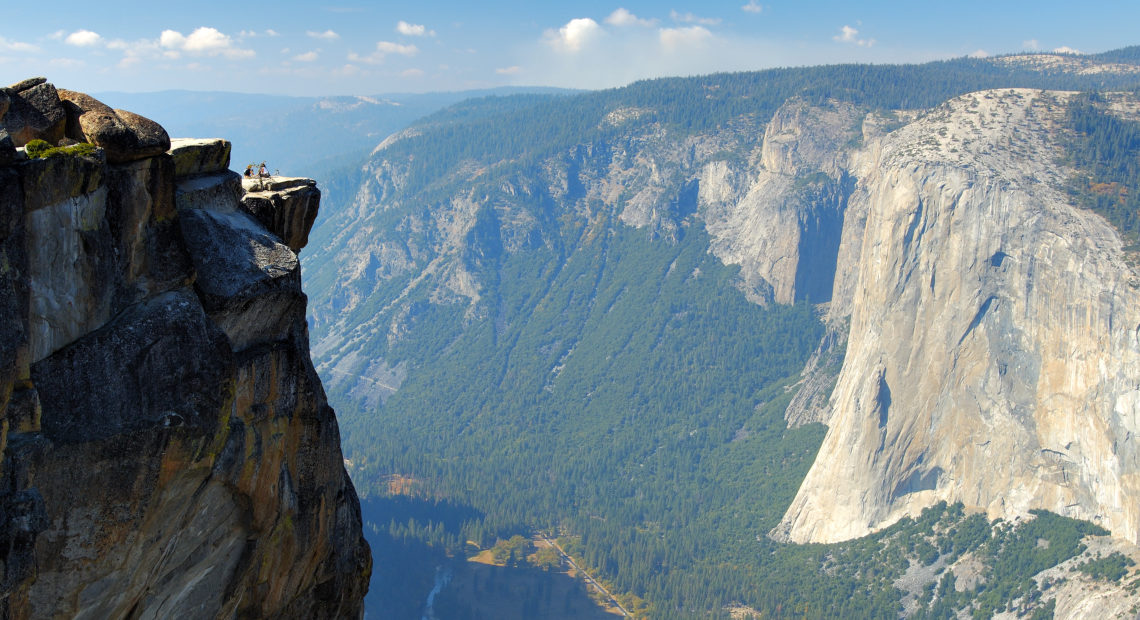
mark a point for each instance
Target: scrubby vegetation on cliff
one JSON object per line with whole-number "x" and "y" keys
{"x": 37, "y": 149}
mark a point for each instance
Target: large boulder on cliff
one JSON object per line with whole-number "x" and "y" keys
{"x": 23, "y": 85}
{"x": 34, "y": 112}
{"x": 125, "y": 136}
{"x": 198, "y": 156}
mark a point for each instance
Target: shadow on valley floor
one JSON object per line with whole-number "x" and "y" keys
{"x": 481, "y": 591}
{"x": 410, "y": 539}
{"x": 417, "y": 550}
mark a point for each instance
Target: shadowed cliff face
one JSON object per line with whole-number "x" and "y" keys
{"x": 168, "y": 449}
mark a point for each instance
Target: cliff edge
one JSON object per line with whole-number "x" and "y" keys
{"x": 168, "y": 450}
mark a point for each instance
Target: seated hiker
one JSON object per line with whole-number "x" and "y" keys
{"x": 249, "y": 171}
{"x": 262, "y": 171}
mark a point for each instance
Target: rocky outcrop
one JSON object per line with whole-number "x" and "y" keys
{"x": 124, "y": 136}
{"x": 34, "y": 111}
{"x": 197, "y": 156}
{"x": 285, "y": 205}
{"x": 993, "y": 356}
{"x": 167, "y": 447}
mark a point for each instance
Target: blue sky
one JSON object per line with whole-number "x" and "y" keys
{"x": 352, "y": 47}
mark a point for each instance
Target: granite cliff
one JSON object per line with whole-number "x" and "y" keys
{"x": 168, "y": 450}
{"x": 992, "y": 356}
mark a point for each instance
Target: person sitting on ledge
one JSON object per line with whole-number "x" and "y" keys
{"x": 249, "y": 171}
{"x": 262, "y": 171}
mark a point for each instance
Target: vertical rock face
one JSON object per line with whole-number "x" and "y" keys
{"x": 168, "y": 449}
{"x": 781, "y": 219}
{"x": 993, "y": 356}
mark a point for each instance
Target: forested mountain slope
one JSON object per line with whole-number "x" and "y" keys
{"x": 589, "y": 314}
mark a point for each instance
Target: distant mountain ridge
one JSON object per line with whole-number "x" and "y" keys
{"x": 1129, "y": 55}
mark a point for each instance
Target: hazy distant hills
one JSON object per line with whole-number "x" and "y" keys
{"x": 292, "y": 133}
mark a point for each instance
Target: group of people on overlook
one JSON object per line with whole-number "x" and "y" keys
{"x": 262, "y": 171}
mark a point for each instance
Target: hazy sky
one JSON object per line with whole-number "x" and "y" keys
{"x": 353, "y": 47}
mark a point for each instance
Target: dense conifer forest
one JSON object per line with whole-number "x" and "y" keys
{"x": 1105, "y": 150}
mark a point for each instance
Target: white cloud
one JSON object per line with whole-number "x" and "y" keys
{"x": 328, "y": 34}
{"x": 66, "y": 63}
{"x": 689, "y": 18}
{"x": 622, "y": 17}
{"x": 309, "y": 56}
{"x": 752, "y": 7}
{"x": 847, "y": 34}
{"x": 203, "y": 41}
{"x": 57, "y": 35}
{"x": 83, "y": 38}
{"x": 383, "y": 49}
{"x": 1031, "y": 44}
{"x": 16, "y": 46}
{"x": 413, "y": 30}
{"x": 134, "y": 51}
{"x": 575, "y": 34}
{"x": 408, "y": 73}
{"x": 668, "y": 49}
{"x": 269, "y": 32}
{"x": 387, "y": 47}
{"x": 979, "y": 54}
{"x": 513, "y": 70}
{"x": 173, "y": 45}
{"x": 673, "y": 39}
{"x": 1065, "y": 49}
